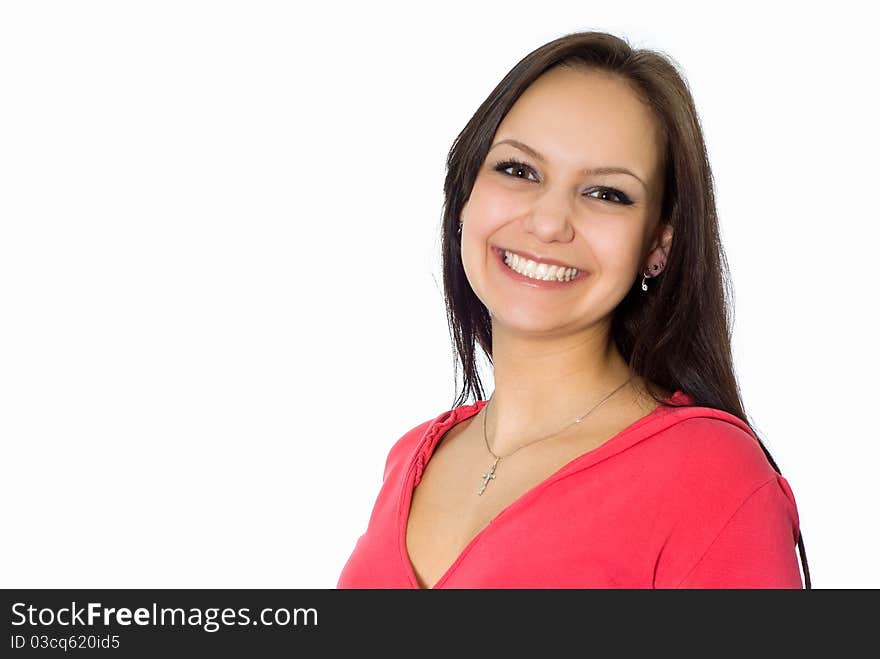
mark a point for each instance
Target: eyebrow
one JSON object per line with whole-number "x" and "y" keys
{"x": 590, "y": 170}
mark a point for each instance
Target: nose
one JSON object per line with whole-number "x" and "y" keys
{"x": 549, "y": 219}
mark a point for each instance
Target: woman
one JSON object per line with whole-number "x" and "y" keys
{"x": 581, "y": 252}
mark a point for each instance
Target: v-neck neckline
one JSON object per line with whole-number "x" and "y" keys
{"x": 428, "y": 444}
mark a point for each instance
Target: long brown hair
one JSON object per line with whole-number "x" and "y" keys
{"x": 677, "y": 334}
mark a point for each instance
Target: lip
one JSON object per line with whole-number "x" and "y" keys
{"x": 535, "y": 283}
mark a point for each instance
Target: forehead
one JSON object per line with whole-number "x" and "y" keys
{"x": 581, "y": 118}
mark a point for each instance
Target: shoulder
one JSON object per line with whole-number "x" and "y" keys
{"x": 720, "y": 485}
{"x": 712, "y": 444}
{"x": 707, "y": 463}
{"x": 404, "y": 450}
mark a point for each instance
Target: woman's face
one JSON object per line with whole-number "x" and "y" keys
{"x": 550, "y": 207}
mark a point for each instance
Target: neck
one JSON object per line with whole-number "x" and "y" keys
{"x": 542, "y": 385}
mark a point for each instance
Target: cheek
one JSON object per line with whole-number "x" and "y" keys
{"x": 489, "y": 206}
{"x": 615, "y": 245}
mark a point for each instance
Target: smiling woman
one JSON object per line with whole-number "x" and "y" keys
{"x": 614, "y": 450}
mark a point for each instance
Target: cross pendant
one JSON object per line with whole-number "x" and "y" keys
{"x": 489, "y": 475}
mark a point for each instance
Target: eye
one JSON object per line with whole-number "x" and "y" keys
{"x": 604, "y": 192}
{"x": 516, "y": 165}
{"x": 519, "y": 166}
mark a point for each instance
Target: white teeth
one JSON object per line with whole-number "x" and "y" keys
{"x": 542, "y": 271}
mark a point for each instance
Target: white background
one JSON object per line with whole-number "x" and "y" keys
{"x": 220, "y": 286}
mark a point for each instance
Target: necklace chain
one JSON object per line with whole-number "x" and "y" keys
{"x": 490, "y": 474}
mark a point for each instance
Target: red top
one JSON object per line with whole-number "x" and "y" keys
{"x": 681, "y": 498}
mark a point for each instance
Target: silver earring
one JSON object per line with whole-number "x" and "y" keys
{"x": 460, "y": 224}
{"x": 645, "y": 275}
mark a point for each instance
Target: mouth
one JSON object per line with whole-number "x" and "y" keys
{"x": 544, "y": 273}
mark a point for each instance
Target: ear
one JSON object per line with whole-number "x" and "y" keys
{"x": 658, "y": 252}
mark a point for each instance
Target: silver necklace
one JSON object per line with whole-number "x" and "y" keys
{"x": 490, "y": 474}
